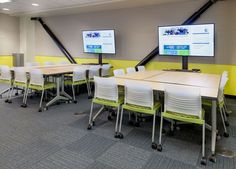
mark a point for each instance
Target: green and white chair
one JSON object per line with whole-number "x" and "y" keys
{"x": 20, "y": 80}
{"x": 221, "y": 103}
{"x": 139, "y": 98}
{"x": 38, "y": 83}
{"x": 185, "y": 107}
{"x": 93, "y": 70}
{"x": 130, "y": 70}
{"x": 106, "y": 94}
{"x": 105, "y": 70}
{"x": 118, "y": 72}
{"x": 78, "y": 78}
{"x": 6, "y": 78}
{"x": 141, "y": 68}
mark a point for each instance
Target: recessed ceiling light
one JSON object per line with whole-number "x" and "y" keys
{"x": 34, "y": 4}
{"x": 5, "y": 9}
{"x": 4, "y": 1}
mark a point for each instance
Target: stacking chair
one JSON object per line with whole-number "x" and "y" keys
{"x": 118, "y": 72}
{"x": 139, "y": 98}
{"x": 6, "y": 78}
{"x": 93, "y": 71}
{"x": 130, "y": 70}
{"x": 221, "y": 103}
{"x": 106, "y": 94}
{"x": 20, "y": 80}
{"x": 105, "y": 70}
{"x": 141, "y": 68}
{"x": 225, "y": 74}
{"x": 37, "y": 82}
{"x": 185, "y": 107}
{"x": 78, "y": 78}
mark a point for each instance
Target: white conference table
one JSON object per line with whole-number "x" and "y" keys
{"x": 57, "y": 71}
{"x": 158, "y": 80}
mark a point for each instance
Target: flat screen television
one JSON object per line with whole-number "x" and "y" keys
{"x": 99, "y": 41}
{"x": 187, "y": 40}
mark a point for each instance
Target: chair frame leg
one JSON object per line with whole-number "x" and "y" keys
{"x": 91, "y": 114}
{"x": 73, "y": 92}
{"x": 160, "y": 134}
{"x": 203, "y": 139}
{"x": 117, "y": 119}
{"x": 41, "y": 100}
{"x": 88, "y": 89}
{"x": 153, "y": 128}
{"x": 121, "y": 118}
{"x": 9, "y": 91}
{"x": 223, "y": 121}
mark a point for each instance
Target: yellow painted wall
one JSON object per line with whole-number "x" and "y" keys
{"x": 205, "y": 68}
{"x": 6, "y": 60}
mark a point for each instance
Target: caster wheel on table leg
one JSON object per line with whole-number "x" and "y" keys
{"x": 120, "y": 136}
{"x": 89, "y": 127}
{"x": 154, "y": 146}
{"x": 159, "y": 148}
{"x": 203, "y": 161}
{"x": 9, "y": 101}
{"x": 212, "y": 158}
{"x": 75, "y": 101}
{"x": 93, "y": 123}
{"x": 40, "y": 109}
{"x": 116, "y": 135}
{"x": 6, "y": 101}
{"x": 226, "y": 134}
{"x": 24, "y": 105}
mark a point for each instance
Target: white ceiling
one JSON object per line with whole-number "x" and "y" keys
{"x": 62, "y": 7}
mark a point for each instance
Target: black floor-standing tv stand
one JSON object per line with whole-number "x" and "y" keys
{"x": 100, "y": 58}
{"x": 184, "y": 67}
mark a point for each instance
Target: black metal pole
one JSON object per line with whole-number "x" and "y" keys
{"x": 189, "y": 21}
{"x": 56, "y": 40}
{"x": 100, "y": 58}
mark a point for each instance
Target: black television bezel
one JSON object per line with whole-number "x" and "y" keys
{"x": 189, "y": 55}
{"x": 100, "y": 30}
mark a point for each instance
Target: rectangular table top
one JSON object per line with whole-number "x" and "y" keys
{"x": 208, "y": 83}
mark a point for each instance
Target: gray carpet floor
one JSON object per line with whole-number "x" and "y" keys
{"x": 59, "y": 139}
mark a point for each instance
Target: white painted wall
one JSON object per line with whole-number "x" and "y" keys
{"x": 136, "y": 30}
{"x": 9, "y": 34}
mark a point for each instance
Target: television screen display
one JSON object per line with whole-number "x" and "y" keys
{"x": 99, "y": 41}
{"x": 187, "y": 40}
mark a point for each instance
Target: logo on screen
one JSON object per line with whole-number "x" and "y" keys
{"x": 93, "y": 35}
{"x": 176, "y": 31}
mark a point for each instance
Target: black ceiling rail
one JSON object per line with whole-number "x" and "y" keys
{"x": 56, "y": 40}
{"x": 189, "y": 21}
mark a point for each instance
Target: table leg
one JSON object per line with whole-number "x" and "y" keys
{"x": 58, "y": 95}
{"x": 63, "y": 89}
{"x": 213, "y": 131}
